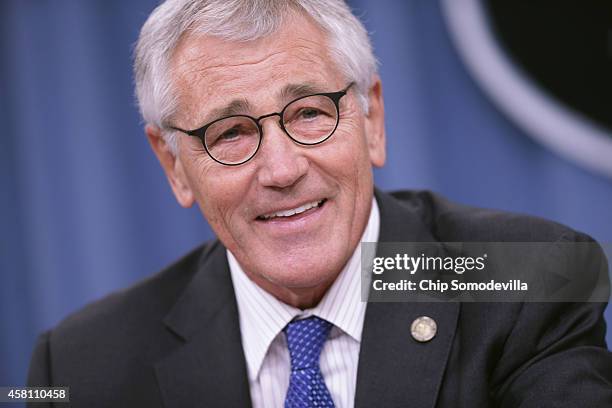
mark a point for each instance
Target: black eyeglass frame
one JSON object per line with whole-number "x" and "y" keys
{"x": 200, "y": 133}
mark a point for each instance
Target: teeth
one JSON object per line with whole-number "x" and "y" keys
{"x": 289, "y": 213}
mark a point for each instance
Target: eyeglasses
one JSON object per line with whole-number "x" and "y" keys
{"x": 308, "y": 120}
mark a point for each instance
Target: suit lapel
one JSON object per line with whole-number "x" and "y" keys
{"x": 208, "y": 369}
{"x": 394, "y": 369}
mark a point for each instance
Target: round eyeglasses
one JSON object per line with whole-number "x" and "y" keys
{"x": 307, "y": 120}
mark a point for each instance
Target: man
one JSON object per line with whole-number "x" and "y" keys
{"x": 269, "y": 116}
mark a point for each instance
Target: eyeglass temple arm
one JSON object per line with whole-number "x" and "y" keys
{"x": 187, "y": 132}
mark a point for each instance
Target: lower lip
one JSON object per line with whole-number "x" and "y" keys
{"x": 296, "y": 221}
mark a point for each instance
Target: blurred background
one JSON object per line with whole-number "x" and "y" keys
{"x": 496, "y": 104}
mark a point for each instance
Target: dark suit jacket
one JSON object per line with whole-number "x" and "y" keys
{"x": 174, "y": 339}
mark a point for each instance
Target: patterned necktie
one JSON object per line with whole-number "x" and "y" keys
{"x": 305, "y": 339}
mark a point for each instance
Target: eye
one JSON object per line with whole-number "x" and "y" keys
{"x": 229, "y": 134}
{"x": 233, "y": 134}
{"x": 309, "y": 113}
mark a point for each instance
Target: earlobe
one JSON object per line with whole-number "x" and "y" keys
{"x": 172, "y": 166}
{"x": 375, "y": 124}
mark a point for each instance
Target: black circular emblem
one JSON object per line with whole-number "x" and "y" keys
{"x": 547, "y": 65}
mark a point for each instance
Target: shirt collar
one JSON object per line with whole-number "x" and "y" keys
{"x": 262, "y": 316}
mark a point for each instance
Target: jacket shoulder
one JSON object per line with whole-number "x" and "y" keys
{"x": 450, "y": 221}
{"x": 127, "y": 319}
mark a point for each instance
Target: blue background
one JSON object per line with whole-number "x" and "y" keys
{"x": 85, "y": 208}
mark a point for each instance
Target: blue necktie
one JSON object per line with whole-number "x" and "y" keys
{"x": 305, "y": 339}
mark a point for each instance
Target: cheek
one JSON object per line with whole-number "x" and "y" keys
{"x": 350, "y": 151}
{"x": 219, "y": 191}
{"x": 358, "y": 169}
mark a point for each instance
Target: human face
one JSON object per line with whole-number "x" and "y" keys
{"x": 297, "y": 257}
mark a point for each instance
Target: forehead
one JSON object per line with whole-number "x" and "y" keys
{"x": 208, "y": 71}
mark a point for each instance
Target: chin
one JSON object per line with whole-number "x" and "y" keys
{"x": 306, "y": 276}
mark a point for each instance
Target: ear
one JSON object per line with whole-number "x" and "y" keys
{"x": 172, "y": 166}
{"x": 375, "y": 124}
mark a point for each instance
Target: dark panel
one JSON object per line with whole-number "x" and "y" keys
{"x": 566, "y": 46}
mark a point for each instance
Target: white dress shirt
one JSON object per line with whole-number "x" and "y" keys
{"x": 263, "y": 317}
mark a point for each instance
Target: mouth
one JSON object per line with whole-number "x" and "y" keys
{"x": 293, "y": 213}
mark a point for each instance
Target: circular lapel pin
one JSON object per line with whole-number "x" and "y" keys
{"x": 423, "y": 329}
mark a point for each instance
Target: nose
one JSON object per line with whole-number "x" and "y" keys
{"x": 282, "y": 162}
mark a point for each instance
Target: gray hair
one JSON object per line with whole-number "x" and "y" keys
{"x": 239, "y": 20}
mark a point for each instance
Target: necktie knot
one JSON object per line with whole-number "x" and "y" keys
{"x": 305, "y": 339}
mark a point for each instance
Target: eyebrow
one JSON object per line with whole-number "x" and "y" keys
{"x": 292, "y": 91}
{"x": 235, "y": 107}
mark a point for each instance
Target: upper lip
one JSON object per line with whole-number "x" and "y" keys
{"x": 287, "y": 208}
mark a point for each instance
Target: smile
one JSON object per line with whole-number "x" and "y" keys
{"x": 294, "y": 211}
